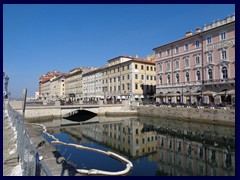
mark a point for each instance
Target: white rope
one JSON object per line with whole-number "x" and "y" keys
{"x": 129, "y": 164}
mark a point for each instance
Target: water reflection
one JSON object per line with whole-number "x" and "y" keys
{"x": 157, "y": 149}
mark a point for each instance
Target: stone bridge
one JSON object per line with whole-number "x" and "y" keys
{"x": 57, "y": 111}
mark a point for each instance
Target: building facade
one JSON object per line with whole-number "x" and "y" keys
{"x": 57, "y": 87}
{"x": 44, "y": 78}
{"x": 74, "y": 83}
{"x": 198, "y": 63}
{"x": 46, "y": 90}
{"x": 124, "y": 77}
{"x": 92, "y": 84}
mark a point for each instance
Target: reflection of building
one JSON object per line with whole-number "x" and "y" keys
{"x": 184, "y": 157}
{"x": 126, "y": 137}
{"x": 198, "y": 62}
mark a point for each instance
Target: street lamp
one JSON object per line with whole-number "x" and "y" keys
{"x": 182, "y": 93}
{"x": 190, "y": 88}
{"x": 6, "y": 86}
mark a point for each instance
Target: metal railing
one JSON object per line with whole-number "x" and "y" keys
{"x": 28, "y": 154}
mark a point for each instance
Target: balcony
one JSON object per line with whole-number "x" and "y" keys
{"x": 224, "y": 61}
{"x": 219, "y": 81}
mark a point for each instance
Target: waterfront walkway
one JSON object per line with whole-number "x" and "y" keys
{"x": 11, "y": 165}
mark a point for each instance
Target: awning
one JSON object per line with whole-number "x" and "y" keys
{"x": 98, "y": 96}
{"x": 136, "y": 96}
{"x": 209, "y": 93}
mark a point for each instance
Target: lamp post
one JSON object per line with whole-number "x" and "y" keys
{"x": 190, "y": 88}
{"x": 6, "y": 86}
{"x": 182, "y": 93}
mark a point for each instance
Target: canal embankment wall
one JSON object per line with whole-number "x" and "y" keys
{"x": 34, "y": 113}
{"x": 204, "y": 115}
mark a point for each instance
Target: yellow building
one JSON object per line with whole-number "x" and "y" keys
{"x": 125, "y": 77}
{"x": 73, "y": 83}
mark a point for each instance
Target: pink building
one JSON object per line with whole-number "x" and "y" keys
{"x": 199, "y": 62}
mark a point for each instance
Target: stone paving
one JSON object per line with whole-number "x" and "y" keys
{"x": 11, "y": 165}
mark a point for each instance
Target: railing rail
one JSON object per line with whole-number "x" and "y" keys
{"x": 28, "y": 154}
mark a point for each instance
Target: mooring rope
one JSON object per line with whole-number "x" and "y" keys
{"x": 129, "y": 164}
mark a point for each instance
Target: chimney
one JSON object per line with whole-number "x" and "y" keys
{"x": 189, "y": 33}
{"x": 136, "y": 56}
{"x": 198, "y": 30}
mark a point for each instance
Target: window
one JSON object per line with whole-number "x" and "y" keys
{"x": 224, "y": 73}
{"x": 118, "y": 69}
{"x": 154, "y": 78}
{"x": 151, "y": 78}
{"x": 147, "y": 68}
{"x": 186, "y": 47}
{"x": 224, "y": 55}
{"x": 128, "y": 76}
{"x": 168, "y": 52}
{"x": 136, "y": 76}
{"x": 177, "y": 78}
{"x": 159, "y": 54}
{"x": 118, "y": 87}
{"x": 187, "y": 76}
{"x": 160, "y": 67}
{"x": 123, "y": 78}
{"x": 110, "y": 89}
{"x": 209, "y": 57}
{"x": 154, "y": 68}
{"x": 114, "y": 70}
{"x": 118, "y": 78}
{"x": 197, "y": 59}
{"x": 142, "y": 67}
{"x": 160, "y": 79}
{"x": 210, "y": 74}
{"x": 114, "y": 79}
{"x": 151, "y": 68}
{"x": 110, "y": 80}
{"x": 177, "y": 64}
{"x": 128, "y": 66}
{"x": 209, "y": 40}
{"x": 198, "y": 76}
{"x": 168, "y": 79}
{"x": 147, "y": 77}
{"x": 123, "y": 87}
{"x": 136, "y": 86}
{"x": 136, "y": 66}
{"x": 114, "y": 88}
{"x": 197, "y": 42}
{"x": 168, "y": 65}
{"x": 142, "y": 77}
{"x": 123, "y": 68}
{"x": 223, "y": 36}
{"x": 177, "y": 49}
{"x": 186, "y": 62}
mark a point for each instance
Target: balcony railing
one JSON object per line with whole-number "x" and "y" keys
{"x": 198, "y": 82}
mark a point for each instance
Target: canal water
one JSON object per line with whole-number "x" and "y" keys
{"x": 156, "y": 147}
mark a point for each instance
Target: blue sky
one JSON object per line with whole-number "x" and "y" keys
{"x": 42, "y": 38}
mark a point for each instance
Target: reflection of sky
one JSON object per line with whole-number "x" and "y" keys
{"x": 144, "y": 167}
{"x": 85, "y": 159}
